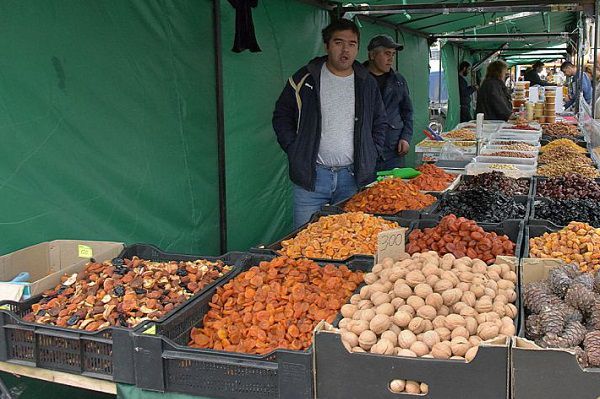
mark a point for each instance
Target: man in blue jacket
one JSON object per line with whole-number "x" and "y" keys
{"x": 331, "y": 122}
{"x": 396, "y": 98}
{"x": 570, "y": 71}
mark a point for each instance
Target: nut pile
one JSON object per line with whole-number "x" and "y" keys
{"x": 430, "y": 306}
{"x": 502, "y": 166}
{"x": 561, "y": 130}
{"x": 519, "y": 147}
{"x": 460, "y": 237}
{"x": 389, "y": 197}
{"x": 570, "y": 185}
{"x": 511, "y": 154}
{"x": 565, "y": 312}
{"x": 578, "y": 243}
{"x": 562, "y": 211}
{"x": 496, "y": 181}
{"x": 337, "y": 237}
{"x": 461, "y": 134}
{"x": 409, "y": 386}
{"x": 564, "y": 155}
{"x": 432, "y": 178}
{"x": 557, "y": 169}
{"x": 482, "y": 205}
{"x": 123, "y": 292}
{"x": 276, "y": 304}
{"x": 563, "y": 143}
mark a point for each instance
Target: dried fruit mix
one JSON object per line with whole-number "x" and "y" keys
{"x": 389, "y": 197}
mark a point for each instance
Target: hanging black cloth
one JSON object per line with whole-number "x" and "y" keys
{"x": 245, "y": 38}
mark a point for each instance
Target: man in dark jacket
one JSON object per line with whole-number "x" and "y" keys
{"x": 396, "y": 98}
{"x": 494, "y": 100}
{"x": 532, "y": 75}
{"x": 331, "y": 122}
{"x": 465, "y": 91}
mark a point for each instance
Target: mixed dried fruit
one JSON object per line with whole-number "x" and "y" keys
{"x": 570, "y": 185}
{"x": 460, "y": 237}
{"x": 275, "y": 305}
{"x": 123, "y": 292}
{"x": 496, "y": 181}
{"x": 389, "y": 197}
{"x": 511, "y": 154}
{"x": 561, "y": 129}
{"x": 461, "y": 134}
{"x": 578, "y": 243}
{"x": 337, "y": 237}
{"x": 563, "y": 143}
{"x": 563, "y": 311}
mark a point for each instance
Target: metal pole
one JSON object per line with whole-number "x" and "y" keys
{"x": 580, "y": 59}
{"x": 220, "y": 126}
{"x": 594, "y": 80}
{"x": 440, "y": 81}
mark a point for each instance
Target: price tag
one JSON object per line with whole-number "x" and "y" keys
{"x": 391, "y": 243}
{"x": 85, "y": 251}
{"x": 151, "y": 330}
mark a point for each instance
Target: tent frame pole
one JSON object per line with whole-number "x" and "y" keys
{"x": 594, "y": 73}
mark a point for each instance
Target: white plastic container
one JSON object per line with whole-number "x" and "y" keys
{"x": 506, "y": 160}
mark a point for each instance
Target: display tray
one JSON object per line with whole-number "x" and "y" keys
{"x": 516, "y": 170}
{"x": 274, "y": 248}
{"x": 530, "y": 184}
{"x": 93, "y": 354}
{"x": 519, "y": 199}
{"x": 496, "y": 148}
{"x": 513, "y": 228}
{"x": 506, "y": 160}
{"x": 166, "y": 364}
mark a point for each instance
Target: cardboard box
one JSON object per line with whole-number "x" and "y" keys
{"x": 48, "y": 261}
{"x": 341, "y": 374}
{"x": 544, "y": 373}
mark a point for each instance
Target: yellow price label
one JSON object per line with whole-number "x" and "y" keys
{"x": 151, "y": 330}
{"x": 85, "y": 251}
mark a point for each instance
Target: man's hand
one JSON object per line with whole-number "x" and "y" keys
{"x": 403, "y": 147}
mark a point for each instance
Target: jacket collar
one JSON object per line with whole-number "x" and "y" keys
{"x": 315, "y": 65}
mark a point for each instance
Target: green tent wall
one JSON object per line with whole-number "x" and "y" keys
{"x": 109, "y": 119}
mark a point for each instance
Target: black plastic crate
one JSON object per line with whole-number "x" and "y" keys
{"x": 519, "y": 199}
{"x": 513, "y": 228}
{"x": 106, "y": 354}
{"x": 466, "y": 178}
{"x": 166, "y": 364}
{"x": 274, "y": 248}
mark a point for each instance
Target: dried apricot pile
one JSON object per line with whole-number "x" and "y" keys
{"x": 123, "y": 292}
{"x": 460, "y": 237}
{"x": 389, "y": 197}
{"x": 274, "y": 305}
{"x": 432, "y": 178}
{"x": 337, "y": 237}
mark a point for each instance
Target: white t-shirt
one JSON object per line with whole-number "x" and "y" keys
{"x": 337, "y": 119}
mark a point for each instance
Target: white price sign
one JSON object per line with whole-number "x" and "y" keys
{"x": 391, "y": 244}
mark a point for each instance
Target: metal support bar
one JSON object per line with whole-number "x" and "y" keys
{"x": 324, "y": 4}
{"x": 594, "y": 73}
{"x": 487, "y": 57}
{"x": 389, "y": 25}
{"x": 535, "y": 35}
{"x": 220, "y": 126}
{"x": 580, "y": 59}
{"x": 514, "y": 6}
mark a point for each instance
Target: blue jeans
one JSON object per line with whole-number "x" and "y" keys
{"x": 333, "y": 184}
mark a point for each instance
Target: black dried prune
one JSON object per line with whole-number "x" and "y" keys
{"x": 119, "y": 291}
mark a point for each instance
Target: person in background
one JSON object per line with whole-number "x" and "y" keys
{"x": 570, "y": 70}
{"x": 331, "y": 123}
{"x": 396, "y": 98}
{"x": 533, "y": 74}
{"x": 494, "y": 99}
{"x": 465, "y": 91}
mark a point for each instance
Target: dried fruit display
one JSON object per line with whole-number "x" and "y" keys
{"x": 123, "y": 292}
{"x": 564, "y": 312}
{"x": 337, "y": 237}
{"x": 511, "y": 154}
{"x": 570, "y": 185}
{"x": 389, "y": 197}
{"x": 562, "y": 211}
{"x": 425, "y": 305}
{"x": 564, "y": 154}
{"x": 563, "y": 143}
{"x": 482, "y": 205}
{"x": 496, "y": 181}
{"x": 561, "y": 129}
{"x": 275, "y": 305}
{"x": 460, "y": 237}
{"x": 432, "y": 178}
{"x": 460, "y": 134}
{"x": 577, "y": 243}
{"x": 519, "y": 147}
{"x": 502, "y": 166}
{"x": 568, "y": 166}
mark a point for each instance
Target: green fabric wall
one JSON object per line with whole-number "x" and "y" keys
{"x": 259, "y": 200}
{"x": 413, "y": 64}
{"x": 107, "y": 121}
{"x": 450, "y": 64}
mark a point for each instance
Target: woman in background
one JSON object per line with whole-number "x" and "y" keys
{"x": 494, "y": 99}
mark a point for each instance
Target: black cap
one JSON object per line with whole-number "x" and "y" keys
{"x": 384, "y": 41}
